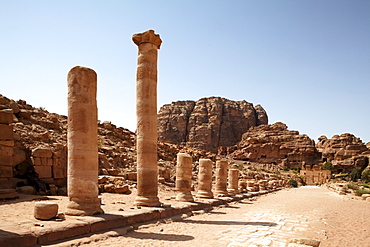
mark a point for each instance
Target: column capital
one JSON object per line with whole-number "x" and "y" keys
{"x": 147, "y": 37}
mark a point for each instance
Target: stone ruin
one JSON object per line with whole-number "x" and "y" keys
{"x": 314, "y": 175}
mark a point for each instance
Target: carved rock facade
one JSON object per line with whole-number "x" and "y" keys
{"x": 208, "y": 123}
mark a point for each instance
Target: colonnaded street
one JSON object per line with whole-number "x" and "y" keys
{"x": 269, "y": 220}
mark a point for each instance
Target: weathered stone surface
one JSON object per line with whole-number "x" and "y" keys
{"x": 340, "y": 147}
{"x": 276, "y": 144}
{"x": 8, "y": 194}
{"x": 83, "y": 162}
{"x": 45, "y": 210}
{"x": 146, "y": 113}
{"x": 208, "y": 123}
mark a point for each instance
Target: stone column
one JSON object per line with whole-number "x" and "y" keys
{"x": 82, "y": 143}
{"x": 233, "y": 182}
{"x": 146, "y": 112}
{"x": 221, "y": 178}
{"x": 205, "y": 179}
{"x": 183, "y": 177}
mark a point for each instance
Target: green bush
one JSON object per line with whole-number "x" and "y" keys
{"x": 293, "y": 183}
{"x": 365, "y": 176}
{"x": 353, "y": 186}
{"x": 360, "y": 192}
{"x": 355, "y": 174}
{"x": 328, "y": 166}
{"x": 366, "y": 185}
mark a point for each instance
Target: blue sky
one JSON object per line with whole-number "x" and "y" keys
{"x": 306, "y": 62}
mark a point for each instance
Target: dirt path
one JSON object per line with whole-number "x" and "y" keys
{"x": 271, "y": 220}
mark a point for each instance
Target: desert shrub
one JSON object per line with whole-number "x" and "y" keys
{"x": 365, "y": 176}
{"x": 293, "y": 183}
{"x": 366, "y": 185}
{"x": 353, "y": 186}
{"x": 298, "y": 169}
{"x": 355, "y": 174}
{"x": 328, "y": 166}
{"x": 360, "y": 192}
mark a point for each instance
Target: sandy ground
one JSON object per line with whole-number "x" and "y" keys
{"x": 269, "y": 220}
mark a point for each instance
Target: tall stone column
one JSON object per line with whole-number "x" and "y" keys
{"x": 205, "y": 179}
{"x": 233, "y": 182}
{"x": 82, "y": 143}
{"x": 146, "y": 111}
{"x": 221, "y": 178}
{"x": 183, "y": 177}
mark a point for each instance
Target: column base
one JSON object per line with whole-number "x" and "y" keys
{"x": 184, "y": 197}
{"x": 147, "y": 201}
{"x": 221, "y": 193}
{"x": 80, "y": 207}
{"x": 204, "y": 194}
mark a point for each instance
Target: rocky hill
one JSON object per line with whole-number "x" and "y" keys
{"x": 208, "y": 123}
{"x": 33, "y": 136}
{"x": 274, "y": 144}
{"x": 344, "y": 151}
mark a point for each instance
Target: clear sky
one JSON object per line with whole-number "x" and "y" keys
{"x": 306, "y": 62}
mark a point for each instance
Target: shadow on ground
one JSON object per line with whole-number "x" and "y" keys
{"x": 251, "y": 223}
{"x": 160, "y": 236}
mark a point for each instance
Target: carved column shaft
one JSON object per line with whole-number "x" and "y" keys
{"x": 146, "y": 111}
{"x": 233, "y": 182}
{"x": 184, "y": 177}
{"x": 82, "y": 143}
{"x": 205, "y": 179}
{"x": 221, "y": 178}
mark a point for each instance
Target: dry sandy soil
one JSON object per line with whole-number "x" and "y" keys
{"x": 269, "y": 220}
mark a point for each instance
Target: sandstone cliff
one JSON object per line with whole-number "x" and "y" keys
{"x": 274, "y": 144}
{"x": 344, "y": 151}
{"x": 208, "y": 123}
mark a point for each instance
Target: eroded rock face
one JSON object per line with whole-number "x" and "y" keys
{"x": 344, "y": 151}
{"x": 208, "y": 123}
{"x": 340, "y": 147}
{"x": 275, "y": 144}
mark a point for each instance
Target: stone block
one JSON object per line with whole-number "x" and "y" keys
{"x": 42, "y": 161}
{"x": 6, "y": 116}
{"x": 45, "y": 210}
{"x": 6, "y": 171}
{"x": 6, "y": 132}
{"x": 131, "y": 176}
{"x": 43, "y": 171}
{"x": 63, "y": 230}
{"x": 8, "y": 143}
{"x": 15, "y": 236}
{"x": 104, "y": 221}
{"x": 29, "y": 190}
{"x": 42, "y": 153}
{"x": 6, "y": 160}
{"x": 60, "y": 182}
{"x": 59, "y": 172}
{"x": 25, "y": 114}
{"x": 8, "y": 194}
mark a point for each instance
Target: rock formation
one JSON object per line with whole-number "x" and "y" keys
{"x": 208, "y": 123}
{"x": 344, "y": 151}
{"x": 340, "y": 147}
{"x": 274, "y": 144}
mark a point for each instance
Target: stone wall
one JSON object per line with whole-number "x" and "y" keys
{"x": 208, "y": 123}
